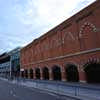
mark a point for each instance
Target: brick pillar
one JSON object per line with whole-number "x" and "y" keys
{"x": 34, "y": 75}
{"x": 50, "y": 74}
{"x": 41, "y": 74}
{"x": 24, "y": 74}
{"x": 63, "y": 74}
{"x": 28, "y": 73}
{"x": 82, "y": 75}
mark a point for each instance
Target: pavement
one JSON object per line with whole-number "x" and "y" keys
{"x": 11, "y": 91}
{"x": 60, "y": 90}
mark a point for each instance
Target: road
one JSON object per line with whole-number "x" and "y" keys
{"x": 9, "y": 91}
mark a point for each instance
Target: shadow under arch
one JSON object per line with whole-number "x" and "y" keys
{"x": 37, "y": 73}
{"x": 92, "y": 71}
{"x": 56, "y": 70}
{"x": 45, "y": 73}
{"x": 72, "y": 74}
{"x": 31, "y": 73}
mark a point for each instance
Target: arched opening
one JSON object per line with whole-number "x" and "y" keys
{"x": 88, "y": 38}
{"x": 37, "y": 73}
{"x": 45, "y": 73}
{"x": 72, "y": 74}
{"x": 56, "y": 73}
{"x": 31, "y": 73}
{"x": 26, "y": 73}
{"x": 92, "y": 71}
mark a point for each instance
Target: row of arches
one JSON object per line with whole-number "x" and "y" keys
{"x": 92, "y": 71}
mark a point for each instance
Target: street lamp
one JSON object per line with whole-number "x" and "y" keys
{"x": 10, "y": 69}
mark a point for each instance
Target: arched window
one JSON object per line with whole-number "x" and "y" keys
{"x": 88, "y": 38}
{"x": 92, "y": 71}
{"x": 72, "y": 73}
{"x": 37, "y": 73}
{"x": 45, "y": 73}
{"x": 31, "y": 73}
{"x": 56, "y": 73}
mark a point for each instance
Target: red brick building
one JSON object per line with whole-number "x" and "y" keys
{"x": 69, "y": 52}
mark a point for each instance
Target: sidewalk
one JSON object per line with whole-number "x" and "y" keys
{"x": 76, "y": 91}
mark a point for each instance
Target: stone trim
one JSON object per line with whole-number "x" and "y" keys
{"x": 68, "y": 55}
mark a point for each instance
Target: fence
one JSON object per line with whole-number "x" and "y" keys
{"x": 76, "y": 90}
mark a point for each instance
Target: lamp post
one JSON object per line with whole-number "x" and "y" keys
{"x": 10, "y": 68}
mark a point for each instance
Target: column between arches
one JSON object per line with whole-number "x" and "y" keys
{"x": 82, "y": 76}
{"x": 41, "y": 73}
{"x": 63, "y": 74}
{"x": 50, "y": 74}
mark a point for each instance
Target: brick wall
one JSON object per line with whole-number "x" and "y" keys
{"x": 66, "y": 42}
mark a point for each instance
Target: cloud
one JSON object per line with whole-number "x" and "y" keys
{"x": 21, "y": 21}
{"x": 46, "y": 14}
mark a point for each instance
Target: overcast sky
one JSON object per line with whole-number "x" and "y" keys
{"x": 21, "y": 21}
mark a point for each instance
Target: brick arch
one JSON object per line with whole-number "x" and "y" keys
{"x": 87, "y": 61}
{"x": 31, "y": 73}
{"x": 92, "y": 70}
{"x": 88, "y": 40}
{"x": 72, "y": 73}
{"x": 45, "y": 72}
{"x": 37, "y": 73}
{"x": 70, "y": 63}
{"x": 56, "y": 71}
{"x": 45, "y": 66}
{"x": 92, "y": 26}
{"x": 52, "y": 65}
{"x": 69, "y": 36}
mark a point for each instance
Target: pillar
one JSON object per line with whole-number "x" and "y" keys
{"x": 41, "y": 74}
{"x": 82, "y": 75}
{"x": 28, "y": 71}
{"x": 34, "y": 75}
{"x": 63, "y": 74}
{"x": 50, "y": 74}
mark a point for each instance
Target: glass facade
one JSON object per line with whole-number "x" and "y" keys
{"x": 10, "y": 63}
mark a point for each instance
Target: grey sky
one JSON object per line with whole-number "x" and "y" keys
{"x": 21, "y": 21}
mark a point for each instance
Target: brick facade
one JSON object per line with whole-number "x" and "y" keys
{"x": 75, "y": 42}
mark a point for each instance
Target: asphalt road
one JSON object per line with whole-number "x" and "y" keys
{"x": 9, "y": 91}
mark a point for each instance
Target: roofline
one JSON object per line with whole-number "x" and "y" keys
{"x": 66, "y": 23}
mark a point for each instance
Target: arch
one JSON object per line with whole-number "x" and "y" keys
{"x": 87, "y": 36}
{"x": 72, "y": 74}
{"x": 88, "y": 24}
{"x": 45, "y": 73}
{"x": 92, "y": 71}
{"x": 56, "y": 70}
{"x": 37, "y": 73}
{"x": 31, "y": 73}
{"x": 26, "y": 73}
{"x": 69, "y": 37}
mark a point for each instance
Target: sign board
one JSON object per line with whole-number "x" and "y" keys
{"x": 22, "y": 70}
